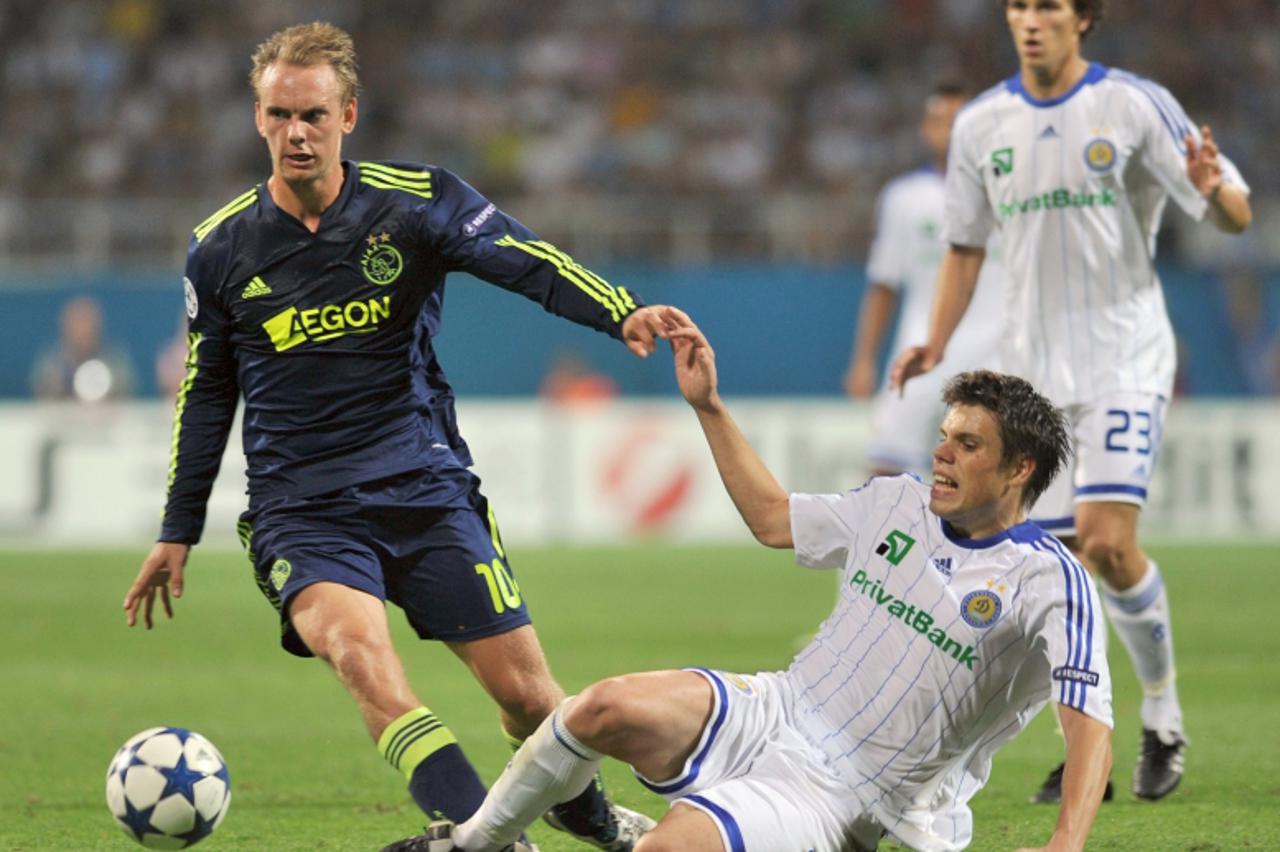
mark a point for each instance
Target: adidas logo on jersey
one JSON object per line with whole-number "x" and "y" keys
{"x": 1049, "y": 133}
{"x": 255, "y": 288}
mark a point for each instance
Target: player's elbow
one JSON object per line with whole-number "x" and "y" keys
{"x": 773, "y": 531}
{"x": 773, "y": 538}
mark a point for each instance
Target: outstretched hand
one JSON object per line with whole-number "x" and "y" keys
{"x": 161, "y": 573}
{"x": 1204, "y": 166}
{"x": 695, "y": 360}
{"x": 914, "y": 361}
{"x": 642, "y": 329}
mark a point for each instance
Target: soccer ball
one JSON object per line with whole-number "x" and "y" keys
{"x": 168, "y": 788}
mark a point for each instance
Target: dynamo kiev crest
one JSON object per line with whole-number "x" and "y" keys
{"x": 1100, "y": 155}
{"x": 981, "y": 609}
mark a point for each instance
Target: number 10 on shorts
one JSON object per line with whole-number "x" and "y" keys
{"x": 503, "y": 589}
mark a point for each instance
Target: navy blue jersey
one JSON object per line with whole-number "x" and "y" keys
{"x": 327, "y": 336}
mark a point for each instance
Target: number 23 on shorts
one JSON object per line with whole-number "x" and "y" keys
{"x": 1130, "y": 431}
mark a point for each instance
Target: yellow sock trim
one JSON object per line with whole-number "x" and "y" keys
{"x": 512, "y": 740}
{"x": 413, "y": 738}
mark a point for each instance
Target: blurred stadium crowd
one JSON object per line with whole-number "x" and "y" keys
{"x": 666, "y": 133}
{"x": 731, "y": 105}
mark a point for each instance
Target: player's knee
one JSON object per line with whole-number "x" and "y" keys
{"x": 599, "y": 712}
{"x": 527, "y": 707}
{"x": 1099, "y": 552}
{"x": 353, "y": 650}
{"x": 1105, "y": 549}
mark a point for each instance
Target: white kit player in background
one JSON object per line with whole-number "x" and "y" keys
{"x": 1073, "y": 163}
{"x": 957, "y": 621}
{"x": 901, "y": 271}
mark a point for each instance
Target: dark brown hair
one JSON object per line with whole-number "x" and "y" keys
{"x": 1091, "y": 9}
{"x": 1030, "y": 426}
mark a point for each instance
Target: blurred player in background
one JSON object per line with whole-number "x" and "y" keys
{"x": 957, "y": 622}
{"x": 82, "y": 366}
{"x": 315, "y": 297}
{"x": 1074, "y": 162}
{"x": 902, "y": 270}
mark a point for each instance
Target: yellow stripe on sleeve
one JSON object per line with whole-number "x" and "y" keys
{"x": 602, "y": 285}
{"x": 586, "y": 281}
{"x": 391, "y": 172}
{"x": 386, "y": 184}
{"x": 240, "y": 203}
{"x": 193, "y": 347}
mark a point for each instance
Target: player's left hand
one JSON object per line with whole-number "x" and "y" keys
{"x": 1203, "y": 164}
{"x": 642, "y": 329}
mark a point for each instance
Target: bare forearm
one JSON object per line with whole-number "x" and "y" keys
{"x": 1229, "y": 209}
{"x": 763, "y": 504}
{"x": 873, "y": 322}
{"x": 957, "y": 278}
{"x": 1084, "y": 778}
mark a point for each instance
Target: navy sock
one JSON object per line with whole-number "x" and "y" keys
{"x": 445, "y": 785}
{"x": 441, "y": 779}
{"x": 588, "y": 812}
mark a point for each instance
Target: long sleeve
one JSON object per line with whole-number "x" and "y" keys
{"x": 205, "y": 408}
{"x": 474, "y": 236}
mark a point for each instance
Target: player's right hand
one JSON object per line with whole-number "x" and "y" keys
{"x": 161, "y": 572}
{"x": 913, "y": 362}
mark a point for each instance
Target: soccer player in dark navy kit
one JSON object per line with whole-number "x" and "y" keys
{"x": 315, "y": 297}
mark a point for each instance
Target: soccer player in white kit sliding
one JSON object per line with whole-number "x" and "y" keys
{"x": 1073, "y": 163}
{"x": 957, "y": 622}
{"x": 902, "y": 269}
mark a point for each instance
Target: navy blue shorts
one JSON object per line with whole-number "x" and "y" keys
{"x": 444, "y": 566}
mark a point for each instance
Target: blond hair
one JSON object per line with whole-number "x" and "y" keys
{"x": 317, "y": 43}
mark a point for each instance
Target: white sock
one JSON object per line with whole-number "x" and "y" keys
{"x": 1141, "y": 617}
{"x": 552, "y": 766}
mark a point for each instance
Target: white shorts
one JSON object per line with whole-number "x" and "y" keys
{"x": 905, "y": 428}
{"x": 1117, "y": 440}
{"x": 760, "y": 781}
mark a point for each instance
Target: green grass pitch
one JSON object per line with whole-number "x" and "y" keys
{"x": 76, "y": 683}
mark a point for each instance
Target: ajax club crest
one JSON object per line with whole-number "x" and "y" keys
{"x": 381, "y": 262}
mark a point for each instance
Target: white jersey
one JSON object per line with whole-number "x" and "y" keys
{"x": 939, "y": 651}
{"x": 1076, "y": 186}
{"x": 905, "y": 255}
